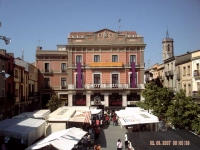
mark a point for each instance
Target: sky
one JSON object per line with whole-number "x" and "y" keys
{"x": 27, "y": 22}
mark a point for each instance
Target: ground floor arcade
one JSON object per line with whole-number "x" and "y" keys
{"x": 106, "y": 98}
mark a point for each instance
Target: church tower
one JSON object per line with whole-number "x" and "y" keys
{"x": 167, "y": 47}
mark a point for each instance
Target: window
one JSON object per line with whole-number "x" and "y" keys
{"x": 96, "y": 58}
{"x": 114, "y": 58}
{"x": 115, "y": 79}
{"x": 16, "y": 73}
{"x": 78, "y": 58}
{"x": 198, "y": 85}
{"x": 16, "y": 92}
{"x": 80, "y": 81}
{"x": 46, "y": 67}
{"x": 131, "y": 80}
{"x": 63, "y": 82}
{"x": 132, "y": 58}
{"x": 63, "y": 66}
{"x": 188, "y": 70}
{"x": 97, "y": 79}
{"x": 184, "y": 71}
{"x": 3, "y": 92}
{"x": 197, "y": 65}
{"x": 46, "y": 82}
{"x": 189, "y": 89}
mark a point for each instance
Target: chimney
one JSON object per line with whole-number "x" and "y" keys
{"x": 39, "y": 48}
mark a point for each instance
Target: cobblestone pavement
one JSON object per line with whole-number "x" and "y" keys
{"x": 109, "y": 135}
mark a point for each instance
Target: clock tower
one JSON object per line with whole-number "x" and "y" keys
{"x": 167, "y": 47}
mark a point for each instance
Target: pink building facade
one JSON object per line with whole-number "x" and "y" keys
{"x": 95, "y": 68}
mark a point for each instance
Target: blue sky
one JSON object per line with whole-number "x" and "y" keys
{"x": 50, "y": 21}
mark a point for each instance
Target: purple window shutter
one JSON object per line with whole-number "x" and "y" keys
{"x": 79, "y": 74}
{"x": 133, "y": 85}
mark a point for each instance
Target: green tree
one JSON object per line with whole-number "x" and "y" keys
{"x": 196, "y": 125}
{"x": 183, "y": 111}
{"x": 54, "y": 103}
{"x": 155, "y": 98}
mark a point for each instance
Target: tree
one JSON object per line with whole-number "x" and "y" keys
{"x": 54, "y": 103}
{"x": 183, "y": 112}
{"x": 156, "y": 98}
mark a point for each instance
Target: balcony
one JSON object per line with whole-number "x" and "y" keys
{"x": 166, "y": 73}
{"x": 196, "y": 74}
{"x": 111, "y": 86}
{"x": 196, "y": 94}
{"x": 137, "y": 64}
{"x": 34, "y": 94}
{"x": 106, "y": 64}
{"x": 178, "y": 76}
{"x": 47, "y": 71}
{"x": 63, "y": 70}
{"x": 171, "y": 73}
{"x": 63, "y": 87}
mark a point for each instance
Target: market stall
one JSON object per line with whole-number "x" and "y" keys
{"x": 62, "y": 140}
{"x": 137, "y": 116}
{"x": 38, "y": 114}
{"x": 26, "y": 129}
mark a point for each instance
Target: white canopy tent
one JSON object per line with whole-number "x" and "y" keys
{"x": 95, "y": 111}
{"x": 62, "y": 140}
{"x": 27, "y": 129}
{"x": 81, "y": 116}
{"x": 135, "y": 115}
{"x": 38, "y": 114}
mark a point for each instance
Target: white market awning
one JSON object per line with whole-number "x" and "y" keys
{"x": 95, "y": 111}
{"x": 62, "y": 140}
{"x": 38, "y": 114}
{"x": 27, "y": 129}
{"x": 81, "y": 116}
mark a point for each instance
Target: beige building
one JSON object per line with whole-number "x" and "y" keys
{"x": 21, "y": 88}
{"x": 184, "y": 73}
{"x": 33, "y": 94}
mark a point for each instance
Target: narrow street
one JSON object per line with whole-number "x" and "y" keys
{"x": 109, "y": 136}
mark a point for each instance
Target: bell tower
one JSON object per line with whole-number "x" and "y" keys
{"x": 167, "y": 47}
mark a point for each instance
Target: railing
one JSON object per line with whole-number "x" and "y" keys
{"x": 107, "y": 64}
{"x": 47, "y": 71}
{"x": 196, "y": 73}
{"x": 171, "y": 73}
{"x": 63, "y": 87}
{"x": 196, "y": 94}
{"x": 166, "y": 73}
{"x": 63, "y": 70}
{"x": 34, "y": 94}
{"x": 178, "y": 76}
{"x": 111, "y": 86}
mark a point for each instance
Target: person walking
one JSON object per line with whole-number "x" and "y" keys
{"x": 119, "y": 144}
{"x": 107, "y": 119}
{"x": 126, "y": 141}
{"x": 97, "y": 147}
{"x": 114, "y": 121}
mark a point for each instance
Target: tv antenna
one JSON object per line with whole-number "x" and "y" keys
{"x": 119, "y": 21}
{"x": 39, "y": 41}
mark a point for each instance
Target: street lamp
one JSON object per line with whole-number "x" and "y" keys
{"x": 6, "y": 40}
{"x": 4, "y": 74}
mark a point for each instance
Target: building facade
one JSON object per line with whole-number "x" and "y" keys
{"x": 33, "y": 94}
{"x": 184, "y": 73}
{"x": 7, "y": 85}
{"x": 196, "y": 75}
{"x": 103, "y": 67}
